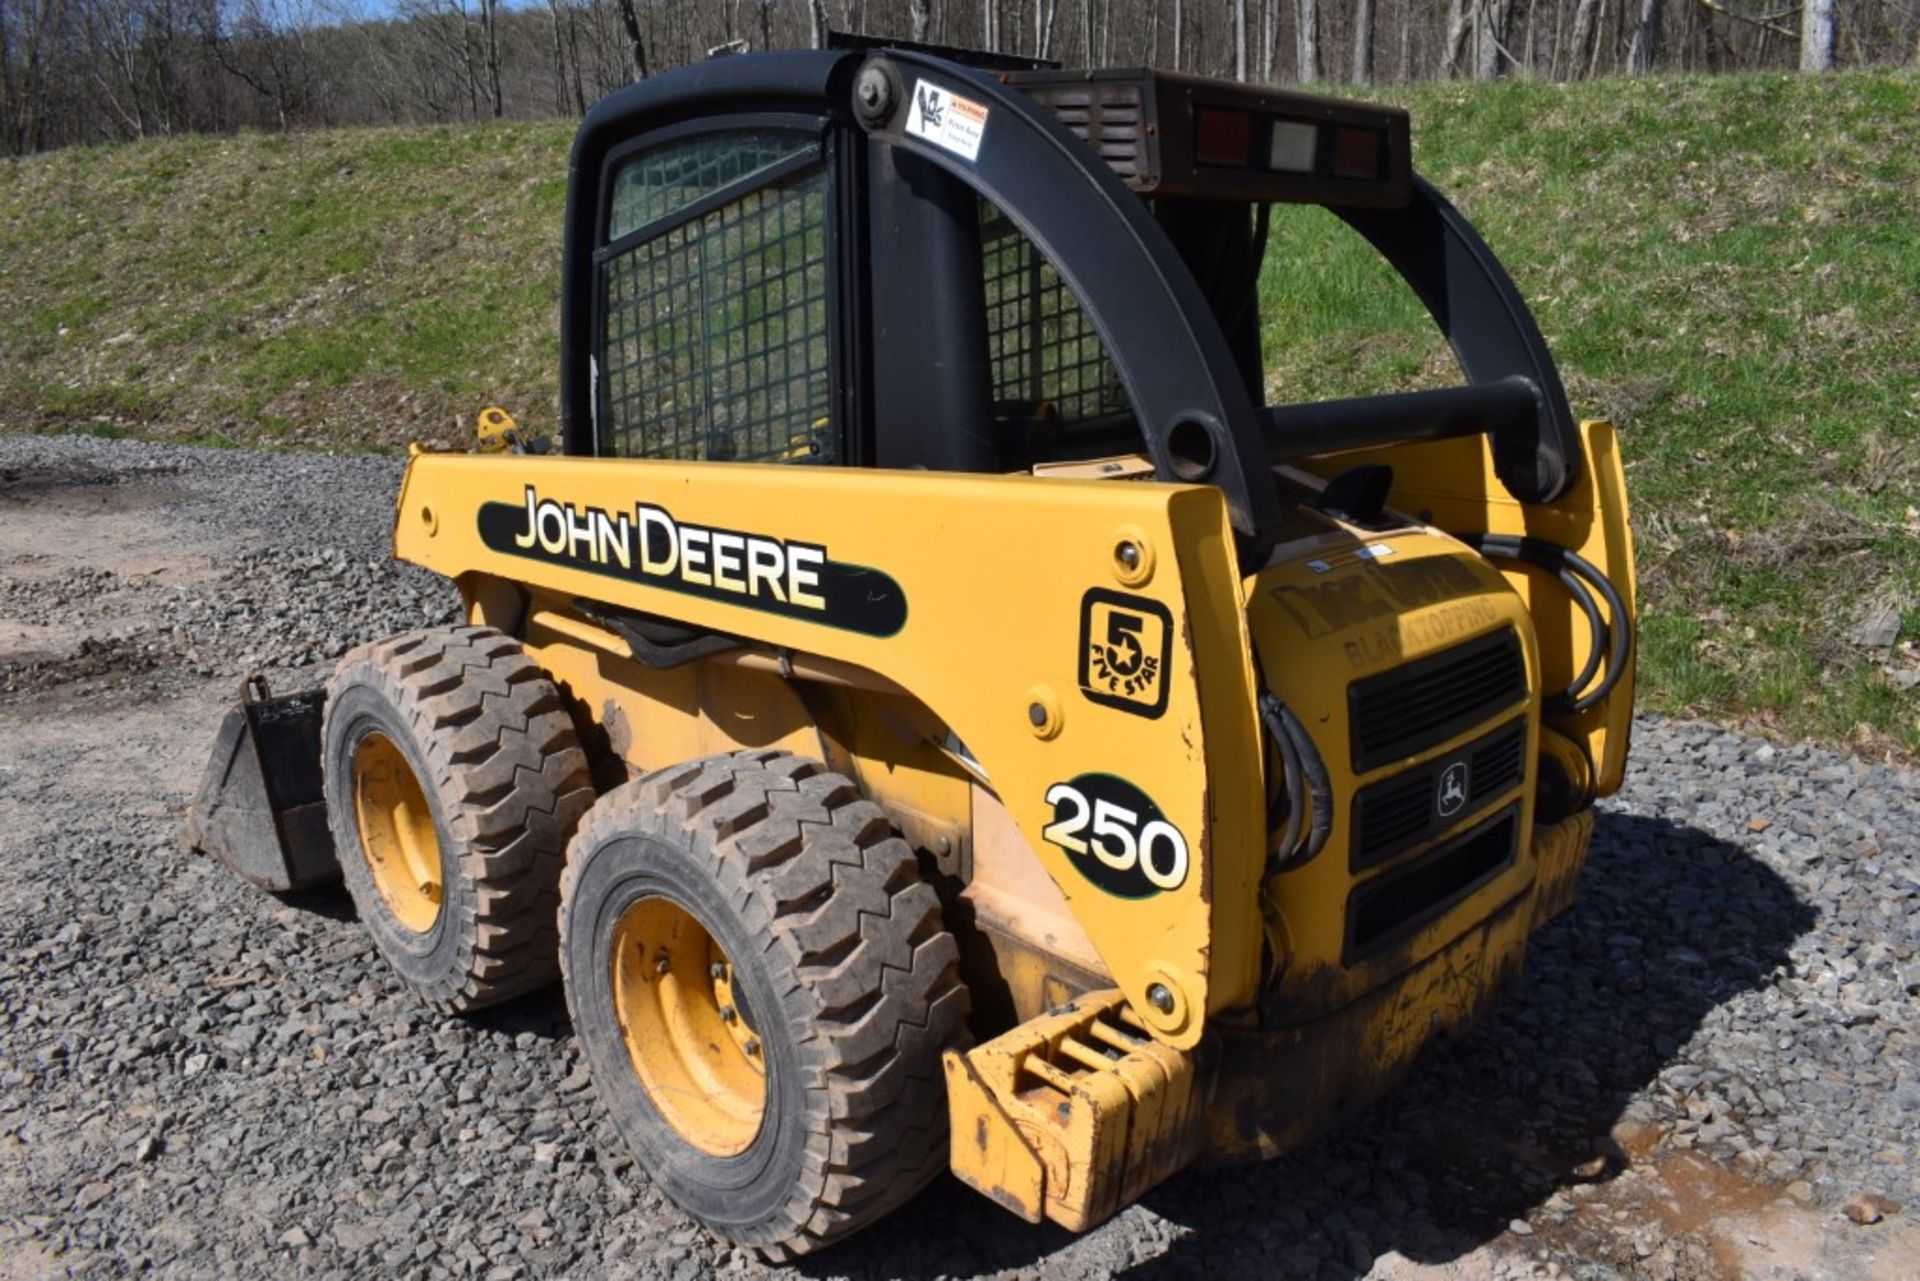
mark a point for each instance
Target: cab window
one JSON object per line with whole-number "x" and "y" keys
{"x": 713, "y": 333}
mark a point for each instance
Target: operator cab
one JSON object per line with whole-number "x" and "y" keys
{"x": 886, "y": 257}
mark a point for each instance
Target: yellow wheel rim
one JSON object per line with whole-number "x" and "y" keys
{"x": 397, "y": 834}
{"x": 691, "y": 1040}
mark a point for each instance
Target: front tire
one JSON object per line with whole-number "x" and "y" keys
{"x": 453, "y": 780}
{"x": 763, "y": 987}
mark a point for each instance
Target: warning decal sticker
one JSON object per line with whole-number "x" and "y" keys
{"x": 947, "y": 120}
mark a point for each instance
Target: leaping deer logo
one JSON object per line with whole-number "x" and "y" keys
{"x": 1451, "y": 795}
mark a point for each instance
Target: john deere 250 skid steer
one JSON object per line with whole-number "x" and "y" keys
{"x": 930, "y": 708}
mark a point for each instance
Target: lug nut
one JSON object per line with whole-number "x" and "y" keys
{"x": 1036, "y": 715}
{"x": 1128, "y": 554}
{"x": 753, "y": 1045}
{"x": 716, "y": 971}
{"x": 1160, "y": 997}
{"x": 726, "y": 1014}
{"x": 661, "y": 965}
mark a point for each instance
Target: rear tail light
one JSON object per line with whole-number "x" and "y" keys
{"x": 1222, "y": 137}
{"x": 1357, "y": 153}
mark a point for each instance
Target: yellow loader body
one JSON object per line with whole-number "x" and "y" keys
{"x": 940, "y": 705}
{"x": 903, "y": 630}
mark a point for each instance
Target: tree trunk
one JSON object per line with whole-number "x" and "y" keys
{"x": 1490, "y": 38}
{"x": 919, "y": 13}
{"x": 631, "y": 21}
{"x": 559, "y": 61}
{"x": 1307, "y": 42}
{"x": 1583, "y": 17}
{"x": 1646, "y": 39}
{"x": 1362, "y": 42}
{"x": 1179, "y": 35}
{"x": 490, "y": 34}
{"x": 817, "y": 22}
{"x": 1239, "y": 39}
{"x": 1044, "y": 12}
{"x": 1460, "y": 15}
{"x": 573, "y": 50}
{"x": 1816, "y": 35}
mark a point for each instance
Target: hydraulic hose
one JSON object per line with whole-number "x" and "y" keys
{"x": 1292, "y": 780}
{"x": 1576, "y": 573}
{"x": 1307, "y": 788}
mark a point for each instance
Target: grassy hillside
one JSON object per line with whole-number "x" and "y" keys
{"x": 1729, "y": 269}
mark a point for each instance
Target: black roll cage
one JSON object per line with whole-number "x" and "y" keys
{"x": 1198, "y": 420}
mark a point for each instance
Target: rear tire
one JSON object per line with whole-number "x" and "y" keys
{"x": 453, "y": 780}
{"x": 831, "y": 948}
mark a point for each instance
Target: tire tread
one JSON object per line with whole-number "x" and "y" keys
{"x": 512, "y": 782}
{"x": 820, "y": 872}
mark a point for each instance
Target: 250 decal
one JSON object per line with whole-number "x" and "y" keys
{"x": 1116, "y": 837}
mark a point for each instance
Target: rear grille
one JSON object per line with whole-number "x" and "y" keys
{"x": 1411, "y": 708}
{"x": 1398, "y": 813}
{"x": 1393, "y": 905}
{"x": 1105, "y": 115}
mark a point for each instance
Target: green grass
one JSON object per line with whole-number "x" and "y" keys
{"x": 1727, "y": 268}
{"x": 352, "y": 288}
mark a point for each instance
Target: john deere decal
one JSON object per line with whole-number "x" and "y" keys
{"x": 649, "y": 546}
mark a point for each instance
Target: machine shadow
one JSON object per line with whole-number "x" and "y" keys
{"x": 542, "y": 1012}
{"x": 1671, "y": 922}
{"x": 330, "y": 901}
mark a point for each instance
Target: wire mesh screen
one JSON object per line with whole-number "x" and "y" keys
{"x": 676, "y": 174}
{"x": 716, "y": 334}
{"x": 1044, "y": 350}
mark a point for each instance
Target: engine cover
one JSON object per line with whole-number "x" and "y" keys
{"x": 1413, "y": 667}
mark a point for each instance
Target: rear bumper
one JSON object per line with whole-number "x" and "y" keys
{"x": 1275, "y": 1088}
{"x": 1076, "y": 1113}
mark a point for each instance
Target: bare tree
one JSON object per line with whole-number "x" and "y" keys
{"x": 1460, "y": 14}
{"x": 636, "y": 43}
{"x": 1044, "y": 13}
{"x": 1490, "y": 39}
{"x": 263, "y": 46}
{"x": 1816, "y": 35}
{"x": 1362, "y": 42}
{"x": 79, "y": 71}
{"x": 28, "y": 32}
{"x": 490, "y": 33}
{"x": 1646, "y": 38}
{"x": 1583, "y": 16}
{"x": 1307, "y": 41}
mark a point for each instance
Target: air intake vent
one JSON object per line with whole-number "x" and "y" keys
{"x": 1396, "y": 903}
{"x": 1105, "y": 114}
{"x": 1398, "y": 813}
{"x": 1409, "y": 709}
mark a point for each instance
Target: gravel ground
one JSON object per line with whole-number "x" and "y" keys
{"x": 1711, "y": 1070}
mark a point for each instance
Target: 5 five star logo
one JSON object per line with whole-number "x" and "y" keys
{"x": 1125, "y": 644}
